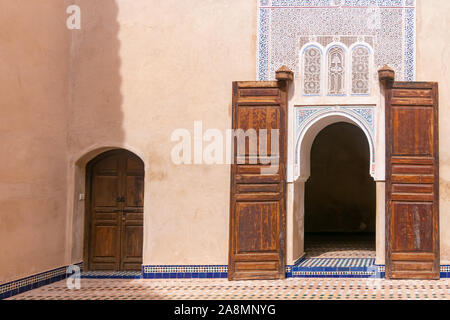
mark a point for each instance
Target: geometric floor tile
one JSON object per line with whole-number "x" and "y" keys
{"x": 336, "y": 262}
{"x": 333, "y": 245}
{"x": 222, "y": 289}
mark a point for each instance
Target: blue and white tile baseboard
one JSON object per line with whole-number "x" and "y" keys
{"x": 35, "y": 281}
{"x": 180, "y": 272}
{"x": 303, "y": 268}
{"x": 111, "y": 275}
{"x": 445, "y": 271}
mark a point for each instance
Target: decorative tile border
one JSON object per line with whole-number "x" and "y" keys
{"x": 445, "y": 271}
{"x": 178, "y": 271}
{"x": 366, "y": 115}
{"x": 337, "y": 274}
{"x": 303, "y": 268}
{"x": 111, "y": 275}
{"x": 32, "y": 282}
{"x": 391, "y": 23}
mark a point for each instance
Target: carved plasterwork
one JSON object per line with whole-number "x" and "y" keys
{"x": 285, "y": 26}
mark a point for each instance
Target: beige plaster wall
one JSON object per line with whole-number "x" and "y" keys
{"x": 34, "y": 61}
{"x": 433, "y": 56}
{"x": 141, "y": 70}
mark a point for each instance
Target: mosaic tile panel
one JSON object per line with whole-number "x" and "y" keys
{"x": 306, "y": 114}
{"x": 111, "y": 275}
{"x": 337, "y": 263}
{"x": 284, "y": 24}
{"x": 174, "y": 271}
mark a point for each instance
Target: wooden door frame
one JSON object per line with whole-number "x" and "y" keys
{"x": 88, "y": 199}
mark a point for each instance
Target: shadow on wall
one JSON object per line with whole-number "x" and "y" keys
{"x": 340, "y": 195}
{"x": 96, "y": 115}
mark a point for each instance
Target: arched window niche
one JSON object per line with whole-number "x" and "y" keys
{"x": 361, "y": 57}
{"x": 312, "y": 70}
{"x": 336, "y": 71}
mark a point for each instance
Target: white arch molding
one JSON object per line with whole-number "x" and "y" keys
{"x": 314, "y": 119}
{"x": 307, "y": 121}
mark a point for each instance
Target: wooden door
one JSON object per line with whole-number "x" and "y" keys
{"x": 115, "y": 218}
{"x": 412, "y": 181}
{"x": 258, "y": 201}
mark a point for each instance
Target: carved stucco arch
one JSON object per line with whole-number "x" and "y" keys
{"x": 318, "y": 120}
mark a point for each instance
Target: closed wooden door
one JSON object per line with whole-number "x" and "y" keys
{"x": 412, "y": 181}
{"x": 115, "y": 218}
{"x": 258, "y": 201}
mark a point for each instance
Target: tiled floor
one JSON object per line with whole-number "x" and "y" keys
{"x": 331, "y": 245}
{"x": 316, "y": 246}
{"x": 211, "y": 289}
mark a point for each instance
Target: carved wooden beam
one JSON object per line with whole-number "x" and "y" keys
{"x": 284, "y": 74}
{"x": 386, "y": 75}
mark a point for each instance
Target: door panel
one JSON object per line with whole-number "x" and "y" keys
{"x": 134, "y": 191}
{"x": 116, "y": 212}
{"x": 133, "y": 219}
{"x": 106, "y": 191}
{"x": 105, "y": 242}
{"x": 412, "y": 181}
{"x": 258, "y": 202}
{"x": 255, "y": 222}
{"x": 410, "y": 223}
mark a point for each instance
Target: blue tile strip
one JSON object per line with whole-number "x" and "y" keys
{"x": 111, "y": 275}
{"x": 183, "y": 272}
{"x": 303, "y": 268}
{"x": 12, "y": 288}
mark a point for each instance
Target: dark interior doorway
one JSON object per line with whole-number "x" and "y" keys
{"x": 340, "y": 195}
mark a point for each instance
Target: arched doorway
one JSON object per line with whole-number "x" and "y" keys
{"x": 340, "y": 195}
{"x": 114, "y": 212}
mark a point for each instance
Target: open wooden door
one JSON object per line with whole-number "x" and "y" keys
{"x": 412, "y": 181}
{"x": 258, "y": 200}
